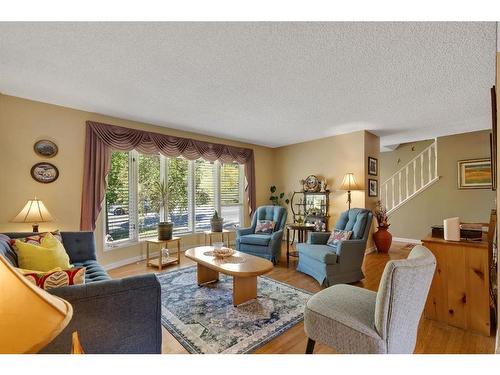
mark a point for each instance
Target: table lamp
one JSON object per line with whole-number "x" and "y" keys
{"x": 30, "y": 318}
{"x": 33, "y": 212}
{"x": 349, "y": 184}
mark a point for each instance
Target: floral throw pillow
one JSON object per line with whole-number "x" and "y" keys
{"x": 338, "y": 236}
{"x": 35, "y": 239}
{"x": 264, "y": 226}
{"x": 55, "y": 278}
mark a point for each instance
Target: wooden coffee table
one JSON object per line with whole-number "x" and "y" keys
{"x": 244, "y": 269}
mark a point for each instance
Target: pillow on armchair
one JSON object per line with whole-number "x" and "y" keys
{"x": 265, "y": 226}
{"x": 337, "y": 236}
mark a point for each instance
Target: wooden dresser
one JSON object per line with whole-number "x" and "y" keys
{"x": 459, "y": 294}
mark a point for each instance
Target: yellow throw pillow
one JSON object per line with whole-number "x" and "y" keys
{"x": 49, "y": 255}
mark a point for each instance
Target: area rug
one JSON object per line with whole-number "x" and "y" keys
{"x": 204, "y": 320}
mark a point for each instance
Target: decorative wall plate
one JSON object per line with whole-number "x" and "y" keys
{"x": 45, "y": 148}
{"x": 44, "y": 172}
{"x": 312, "y": 183}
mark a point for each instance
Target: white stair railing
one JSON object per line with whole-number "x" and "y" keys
{"x": 414, "y": 177}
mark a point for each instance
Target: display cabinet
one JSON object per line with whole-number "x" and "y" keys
{"x": 312, "y": 208}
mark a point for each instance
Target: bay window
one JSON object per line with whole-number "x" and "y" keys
{"x": 231, "y": 194}
{"x": 196, "y": 190}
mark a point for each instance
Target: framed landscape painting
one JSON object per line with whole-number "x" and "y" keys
{"x": 474, "y": 174}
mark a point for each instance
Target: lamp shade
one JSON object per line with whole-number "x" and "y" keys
{"x": 349, "y": 183}
{"x": 30, "y": 318}
{"x": 33, "y": 212}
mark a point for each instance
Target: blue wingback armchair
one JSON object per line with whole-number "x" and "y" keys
{"x": 342, "y": 264}
{"x": 263, "y": 245}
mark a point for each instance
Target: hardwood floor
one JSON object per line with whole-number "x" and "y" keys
{"x": 433, "y": 337}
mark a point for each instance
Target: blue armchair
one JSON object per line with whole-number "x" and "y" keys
{"x": 263, "y": 245}
{"x": 342, "y": 264}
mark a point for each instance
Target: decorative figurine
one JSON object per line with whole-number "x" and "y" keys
{"x": 323, "y": 185}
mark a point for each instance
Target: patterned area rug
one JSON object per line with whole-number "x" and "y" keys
{"x": 204, "y": 320}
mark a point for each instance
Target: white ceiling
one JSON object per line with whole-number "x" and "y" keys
{"x": 266, "y": 83}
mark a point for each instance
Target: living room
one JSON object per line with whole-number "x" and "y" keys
{"x": 249, "y": 188}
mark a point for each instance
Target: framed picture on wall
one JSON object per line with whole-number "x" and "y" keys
{"x": 493, "y": 139}
{"x": 44, "y": 172}
{"x": 474, "y": 174}
{"x": 45, "y": 148}
{"x": 372, "y": 188}
{"x": 372, "y": 166}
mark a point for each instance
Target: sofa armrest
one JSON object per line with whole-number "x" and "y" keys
{"x": 351, "y": 252}
{"x": 244, "y": 231}
{"x": 318, "y": 238}
{"x": 113, "y": 316}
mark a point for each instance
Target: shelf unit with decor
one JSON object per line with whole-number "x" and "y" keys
{"x": 311, "y": 207}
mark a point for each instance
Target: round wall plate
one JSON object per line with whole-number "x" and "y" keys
{"x": 45, "y": 148}
{"x": 44, "y": 172}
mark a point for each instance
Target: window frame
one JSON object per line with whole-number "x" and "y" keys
{"x": 133, "y": 180}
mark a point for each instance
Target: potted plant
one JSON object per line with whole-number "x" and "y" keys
{"x": 164, "y": 227}
{"x": 216, "y": 222}
{"x": 382, "y": 237}
{"x": 277, "y": 199}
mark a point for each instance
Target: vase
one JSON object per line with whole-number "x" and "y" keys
{"x": 383, "y": 239}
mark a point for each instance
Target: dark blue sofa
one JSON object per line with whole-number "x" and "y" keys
{"x": 111, "y": 316}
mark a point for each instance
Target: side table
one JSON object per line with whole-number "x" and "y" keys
{"x": 302, "y": 230}
{"x": 209, "y": 234}
{"x": 162, "y": 261}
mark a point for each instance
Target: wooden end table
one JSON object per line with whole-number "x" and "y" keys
{"x": 302, "y": 230}
{"x": 209, "y": 234}
{"x": 161, "y": 261}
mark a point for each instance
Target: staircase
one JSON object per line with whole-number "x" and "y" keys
{"x": 409, "y": 181}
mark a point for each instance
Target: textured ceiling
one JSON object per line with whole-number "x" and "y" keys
{"x": 266, "y": 83}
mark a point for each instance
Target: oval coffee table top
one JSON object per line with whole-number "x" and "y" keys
{"x": 239, "y": 264}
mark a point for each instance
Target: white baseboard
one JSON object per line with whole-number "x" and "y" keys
{"x": 407, "y": 240}
{"x": 138, "y": 258}
{"x": 124, "y": 262}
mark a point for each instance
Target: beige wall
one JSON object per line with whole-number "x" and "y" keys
{"x": 22, "y": 122}
{"x": 443, "y": 199}
{"x": 329, "y": 158}
{"x": 372, "y": 149}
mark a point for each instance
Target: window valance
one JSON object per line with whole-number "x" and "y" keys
{"x": 101, "y": 139}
